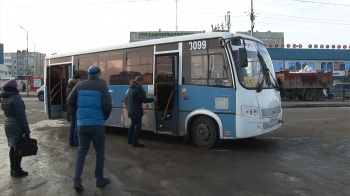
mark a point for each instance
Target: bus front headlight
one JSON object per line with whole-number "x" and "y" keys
{"x": 250, "y": 111}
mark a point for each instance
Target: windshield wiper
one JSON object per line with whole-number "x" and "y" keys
{"x": 260, "y": 85}
{"x": 266, "y": 74}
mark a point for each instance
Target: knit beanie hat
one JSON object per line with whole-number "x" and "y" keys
{"x": 11, "y": 83}
{"x": 94, "y": 70}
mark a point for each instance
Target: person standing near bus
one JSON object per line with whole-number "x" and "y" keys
{"x": 73, "y": 133}
{"x": 92, "y": 103}
{"x": 136, "y": 96}
{"x": 16, "y": 124}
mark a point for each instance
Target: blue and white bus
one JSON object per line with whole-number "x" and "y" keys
{"x": 210, "y": 86}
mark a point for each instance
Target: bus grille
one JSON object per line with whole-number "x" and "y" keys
{"x": 269, "y": 112}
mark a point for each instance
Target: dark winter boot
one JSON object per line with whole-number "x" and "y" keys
{"x": 11, "y": 172}
{"x": 17, "y": 169}
{"x": 12, "y": 157}
{"x": 19, "y": 173}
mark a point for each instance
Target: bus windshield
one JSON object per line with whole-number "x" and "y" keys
{"x": 259, "y": 73}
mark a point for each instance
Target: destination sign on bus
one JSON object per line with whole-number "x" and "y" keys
{"x": 146, "y": 35}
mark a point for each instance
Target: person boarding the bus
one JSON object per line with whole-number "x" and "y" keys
{"x": 73, "y": 133}
{"x": 136, "y": 96}
{"x": 91, "y": 101}
{"x": 16, "y": 124}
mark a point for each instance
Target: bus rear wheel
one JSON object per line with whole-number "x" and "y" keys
{"x": 204, "y": 132}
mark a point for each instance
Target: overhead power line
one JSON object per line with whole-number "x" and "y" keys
{"x": 303, "y": 8}
{"x": 307, "y": 19}
{"x": 83, "y": 4}
{"x": 318, "y": 2}
{"x": 306, "y": 27}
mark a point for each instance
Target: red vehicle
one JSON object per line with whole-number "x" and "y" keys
{"x": 304, "y": 86}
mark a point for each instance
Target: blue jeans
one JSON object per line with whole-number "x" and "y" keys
{"x": 73, "y": 132}
{"x": 96, "y": 134}
{"x": 134, "y": 130}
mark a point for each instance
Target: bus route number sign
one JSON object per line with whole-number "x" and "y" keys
{"x": 198, "y": 45}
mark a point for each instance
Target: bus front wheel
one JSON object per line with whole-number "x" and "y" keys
{"x": 204, "y": 132}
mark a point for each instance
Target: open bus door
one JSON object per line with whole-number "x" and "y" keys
{"x": 166, "y": 81}
{"x": 57, "y": 81}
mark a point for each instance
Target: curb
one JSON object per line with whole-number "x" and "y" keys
{"x": 30, "y": 94}
{"x": 314, "y": 104}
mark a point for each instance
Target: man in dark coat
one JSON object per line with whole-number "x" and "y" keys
{"x": 73, "y": 132}
{"x": 16, "y": 123}
{"x": 136, "y": 96}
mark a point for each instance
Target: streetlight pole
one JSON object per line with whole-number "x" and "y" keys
{"x": 27, "y": 63}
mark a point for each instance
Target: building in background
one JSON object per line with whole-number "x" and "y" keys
{"x": 336, "y": 61}
{"x": 1, "y": 54}
{"x": 3, "y": 68}
{"x": 319, "y": 57}
{"x": 17, "y": 61}
{"x": 3, "y": 71}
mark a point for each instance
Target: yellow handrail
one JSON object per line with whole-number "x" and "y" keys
{"x": 52, "y": 97}
{"x": 167, "y": 105}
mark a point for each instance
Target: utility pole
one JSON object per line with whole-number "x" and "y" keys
{"x": 252, "y": 18}
{"x": 228, "y": 21}
{"x": 27, "y": 63}
{"x": 34, "y": 60}
{"x": 176, "y": 15}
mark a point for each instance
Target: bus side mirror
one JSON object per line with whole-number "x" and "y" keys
{"x": 242, "y": 57}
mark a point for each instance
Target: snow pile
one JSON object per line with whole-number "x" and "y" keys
{"x": 307, "y": 69}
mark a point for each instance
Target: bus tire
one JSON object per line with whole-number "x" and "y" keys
{"x": 204, "y": 132}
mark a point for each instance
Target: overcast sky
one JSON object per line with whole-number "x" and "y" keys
{"x": 67, "y": 25}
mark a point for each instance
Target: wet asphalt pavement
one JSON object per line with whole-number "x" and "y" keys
{"x": 308, "y": 155}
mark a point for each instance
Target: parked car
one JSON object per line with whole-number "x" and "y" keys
{"x": 339, "y": 90}
{"x": 40, "y": 93}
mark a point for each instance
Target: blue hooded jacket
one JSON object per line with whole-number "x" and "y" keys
{"x": 91, "y": 101}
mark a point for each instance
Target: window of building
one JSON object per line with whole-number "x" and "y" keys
{"x": 294, "y": 66}
{"x": 327, "y": 66}
{"x": 310, "y": 64}
{"x": 339, "y": 66}
{"x": 298, "y": 65}
{"x": 277, "y": 65}
{"x": 347, "y": 66}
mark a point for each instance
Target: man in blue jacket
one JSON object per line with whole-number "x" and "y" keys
{"x": 92, "y": 103}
